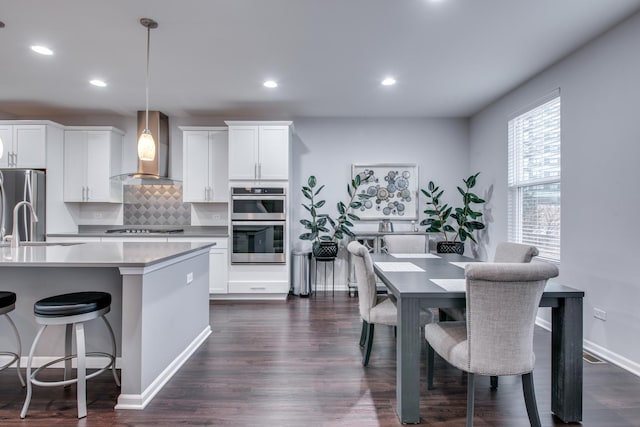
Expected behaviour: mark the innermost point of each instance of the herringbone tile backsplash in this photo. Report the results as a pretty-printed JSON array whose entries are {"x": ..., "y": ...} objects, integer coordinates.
[{"x": 155, "y": 205}]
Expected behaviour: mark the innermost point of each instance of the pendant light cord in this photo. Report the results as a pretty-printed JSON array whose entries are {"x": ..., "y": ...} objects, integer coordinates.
[{"x": 147, "y": 94}]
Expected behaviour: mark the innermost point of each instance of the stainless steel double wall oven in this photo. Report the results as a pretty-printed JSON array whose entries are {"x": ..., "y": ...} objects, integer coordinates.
[{"x": 258, "y": 225}]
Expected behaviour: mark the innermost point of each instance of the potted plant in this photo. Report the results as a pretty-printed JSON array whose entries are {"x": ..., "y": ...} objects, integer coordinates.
[
  {"x": 323, "y": 230},
  {"x": 464, "y": 218}
]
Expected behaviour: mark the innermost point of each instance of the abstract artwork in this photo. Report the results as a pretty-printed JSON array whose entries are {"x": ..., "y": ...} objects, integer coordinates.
[{"x": 393, "y": 189}]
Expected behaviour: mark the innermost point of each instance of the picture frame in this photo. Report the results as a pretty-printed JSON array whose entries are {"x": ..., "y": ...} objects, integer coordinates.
[{"x": 394, "y": 191}]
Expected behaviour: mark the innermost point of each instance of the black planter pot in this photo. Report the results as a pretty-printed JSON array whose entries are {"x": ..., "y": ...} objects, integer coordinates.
[
  {"x": 325, "y": 251},
  {"x": 450, "y": 248}
]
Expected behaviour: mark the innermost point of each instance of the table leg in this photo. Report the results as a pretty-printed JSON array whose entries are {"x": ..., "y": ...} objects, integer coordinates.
[
  {"x": 566, "y": 360},
  {"x": 409, "y": 342}
]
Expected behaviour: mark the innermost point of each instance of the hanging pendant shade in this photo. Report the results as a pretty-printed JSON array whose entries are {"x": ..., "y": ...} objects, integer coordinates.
[{"x": 146, "y": 144}]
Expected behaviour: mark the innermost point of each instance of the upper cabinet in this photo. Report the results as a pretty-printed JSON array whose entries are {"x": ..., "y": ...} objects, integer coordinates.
[
  {"x": 91, "y": 156},
  {"x": 205, "y": 169},
  {"x": 259, "y": 150},
  {"x": 24, "y": 144}
]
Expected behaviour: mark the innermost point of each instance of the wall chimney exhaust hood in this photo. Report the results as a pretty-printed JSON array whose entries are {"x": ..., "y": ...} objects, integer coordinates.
[{"x": 152, "y": 171}]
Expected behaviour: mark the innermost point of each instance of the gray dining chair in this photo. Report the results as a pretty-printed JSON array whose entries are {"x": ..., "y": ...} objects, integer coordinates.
[
  {"x": 497, "y": 337},
  {"x": 405, "y": 243},
  {"x": 505, "y": 252},
  {"x": 374, "y": 309}
]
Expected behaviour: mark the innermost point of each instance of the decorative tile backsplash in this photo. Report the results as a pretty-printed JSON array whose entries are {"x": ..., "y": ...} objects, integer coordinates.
[{"x": 155, "y": 205}]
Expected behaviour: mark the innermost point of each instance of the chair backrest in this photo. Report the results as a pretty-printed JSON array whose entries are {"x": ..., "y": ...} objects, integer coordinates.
[
  {"x": 514, "y": 252},
  {"x": 502, "y": 303},
  {"x": 365, "y": 277},
  {"x": 405, "y": 243}
]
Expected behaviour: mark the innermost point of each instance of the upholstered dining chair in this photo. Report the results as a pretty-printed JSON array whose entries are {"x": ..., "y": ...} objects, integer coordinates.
[
  {"x": 505, "y": 252},
  {"x": 374, "y": 309},
  {"x": 405, "y": 243},
  {"x": 497, "y": 337}
]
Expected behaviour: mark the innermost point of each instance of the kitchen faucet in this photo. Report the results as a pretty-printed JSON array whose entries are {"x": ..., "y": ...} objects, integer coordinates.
[{"x": 15, "y": 237}]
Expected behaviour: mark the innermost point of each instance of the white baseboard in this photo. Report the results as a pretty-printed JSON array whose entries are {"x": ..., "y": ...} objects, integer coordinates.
[
  {"x": 140, "y": 401},
  {"x": 601, "y": 352},
  {"x": 248, "y": 297}
]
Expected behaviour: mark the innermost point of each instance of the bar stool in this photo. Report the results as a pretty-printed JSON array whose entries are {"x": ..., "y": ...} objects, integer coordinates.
[
  {"x": 8, "y": 304},
  {"x": 71, "y": 310}
]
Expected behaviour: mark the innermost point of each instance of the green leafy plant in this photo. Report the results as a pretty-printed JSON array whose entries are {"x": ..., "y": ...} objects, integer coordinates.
[
  {"x": 464, "y": 218},
  {"x": 322, "y": 227}
]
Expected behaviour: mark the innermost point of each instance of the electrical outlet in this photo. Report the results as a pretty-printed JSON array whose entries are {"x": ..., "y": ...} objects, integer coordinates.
[
  {"x": 600, "y": 314},
  {"x": 189, "y": 278}
]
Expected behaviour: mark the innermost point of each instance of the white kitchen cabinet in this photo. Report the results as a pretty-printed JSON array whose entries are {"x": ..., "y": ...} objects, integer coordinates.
[
  {"x": 259, "y": 150},
  {"x": 218, "y": 261},
  {"x": 205, "y": 168},
  {"x": 91, "y": 156},
  {"x": 25, "y": 143}
]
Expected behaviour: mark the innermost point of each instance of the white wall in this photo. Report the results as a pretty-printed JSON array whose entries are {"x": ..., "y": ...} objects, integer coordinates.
[
  {"x": 328, "y": 147},
  {"x": 600, "y": 95}
]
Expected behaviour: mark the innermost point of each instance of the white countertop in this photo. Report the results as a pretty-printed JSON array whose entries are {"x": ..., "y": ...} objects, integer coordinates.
[{"x": 98, "y": 254}]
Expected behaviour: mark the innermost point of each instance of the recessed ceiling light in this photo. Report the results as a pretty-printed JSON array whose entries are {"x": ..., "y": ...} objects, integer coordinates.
[
  {"x": 42, "y": 50},
  {"x": 98, "y": 82},
  {"x": 388, "y": 81},
  {"x": 270, "y": 84}
]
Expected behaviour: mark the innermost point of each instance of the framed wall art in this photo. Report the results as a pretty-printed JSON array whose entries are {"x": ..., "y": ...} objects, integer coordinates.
[{"x": 393, "y": 189}]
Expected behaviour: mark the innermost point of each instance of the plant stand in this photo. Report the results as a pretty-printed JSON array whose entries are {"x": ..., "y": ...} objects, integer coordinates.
[{"x": 325, "y": 261}]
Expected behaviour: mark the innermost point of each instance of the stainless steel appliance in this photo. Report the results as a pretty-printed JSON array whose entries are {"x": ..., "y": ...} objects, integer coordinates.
[
  {"x": 17, "y": 185},
  {"x": 258, "y": 225}
]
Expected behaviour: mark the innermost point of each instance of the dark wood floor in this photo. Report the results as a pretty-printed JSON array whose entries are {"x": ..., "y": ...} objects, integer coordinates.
[{"x": 298, "y": 364}]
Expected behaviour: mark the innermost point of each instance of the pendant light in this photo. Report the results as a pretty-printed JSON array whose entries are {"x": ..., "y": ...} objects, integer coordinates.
[{"x": 146, "y": 144}]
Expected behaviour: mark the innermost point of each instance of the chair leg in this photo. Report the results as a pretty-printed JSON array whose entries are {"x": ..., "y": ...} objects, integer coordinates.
[
  {"x": 113, "y": 351},
  {"x": 430, "y": 361},
  {"x": 494, "y": 382},
  {"x": 27, "y": 399},
  {"x": 19, "y": 351},
  {"x": 530, "y": 399},
  {"x": 470, "y": 398},
  {"x": 68, "y": 338},
  {"x": 369, "y": 343},
  {"x": 81, "y": 386},
  {"x": 363, "y": 333}
]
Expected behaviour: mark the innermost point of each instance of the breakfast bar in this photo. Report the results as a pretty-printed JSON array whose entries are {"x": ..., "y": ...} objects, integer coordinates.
[{"x": 159, "y": 310}]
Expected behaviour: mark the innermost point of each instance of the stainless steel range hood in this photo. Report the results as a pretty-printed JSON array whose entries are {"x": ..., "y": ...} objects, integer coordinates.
[{"x": 154, "y": 171}]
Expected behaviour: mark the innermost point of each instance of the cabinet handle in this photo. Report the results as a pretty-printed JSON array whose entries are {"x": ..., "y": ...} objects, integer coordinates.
[
  {"x": 83, "y": 196},
  {"x": 87, "y": 199},
  {"x": 259, "y": 170},
  {"x": 13, "y": 160},
  {"x": 258, "y": 289},
  {"x": 210, "y": 194}
]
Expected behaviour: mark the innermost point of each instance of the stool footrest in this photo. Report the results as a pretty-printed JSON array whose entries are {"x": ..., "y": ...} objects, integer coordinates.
[
  {"x": 34, "y": 380},
  {"x": 14, "y": 357}
]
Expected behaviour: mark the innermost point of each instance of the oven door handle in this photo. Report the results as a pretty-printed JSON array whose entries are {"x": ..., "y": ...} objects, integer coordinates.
[
  {"x": 237, "y": 222},
  {"x": 256, "y": 197}
]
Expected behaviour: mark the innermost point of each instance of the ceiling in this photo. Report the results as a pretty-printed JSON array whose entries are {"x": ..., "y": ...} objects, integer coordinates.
[{"x": 210, "y": 57}]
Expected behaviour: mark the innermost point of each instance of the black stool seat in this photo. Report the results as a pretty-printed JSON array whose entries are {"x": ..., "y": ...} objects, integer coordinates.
[
  {"x": 72, "y": 304},
  {"x": 7, "y": 299}
]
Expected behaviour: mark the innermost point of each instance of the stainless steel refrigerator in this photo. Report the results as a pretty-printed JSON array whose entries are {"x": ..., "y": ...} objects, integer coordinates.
[{"x": 17, "y": 185}]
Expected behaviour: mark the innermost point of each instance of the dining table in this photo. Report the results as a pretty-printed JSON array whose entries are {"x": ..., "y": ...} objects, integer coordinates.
[{"x": 431, "y": 281}]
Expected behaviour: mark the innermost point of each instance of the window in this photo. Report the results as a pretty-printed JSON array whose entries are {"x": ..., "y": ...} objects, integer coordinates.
[{"x": 534, "y": 177}]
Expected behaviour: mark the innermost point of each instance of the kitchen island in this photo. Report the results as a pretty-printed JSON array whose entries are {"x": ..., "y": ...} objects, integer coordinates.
[{"x": 159, "y": 311}]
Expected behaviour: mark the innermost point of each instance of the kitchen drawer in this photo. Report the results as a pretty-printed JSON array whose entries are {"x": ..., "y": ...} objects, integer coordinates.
[{"x": 258, "y": 288}]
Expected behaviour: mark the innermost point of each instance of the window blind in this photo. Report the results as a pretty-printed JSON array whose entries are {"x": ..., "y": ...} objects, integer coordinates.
[{"x": 534, "y": 177}]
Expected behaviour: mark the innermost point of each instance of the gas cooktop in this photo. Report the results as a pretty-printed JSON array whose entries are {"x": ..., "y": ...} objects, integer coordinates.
[{"x": 146, "y": 230}]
